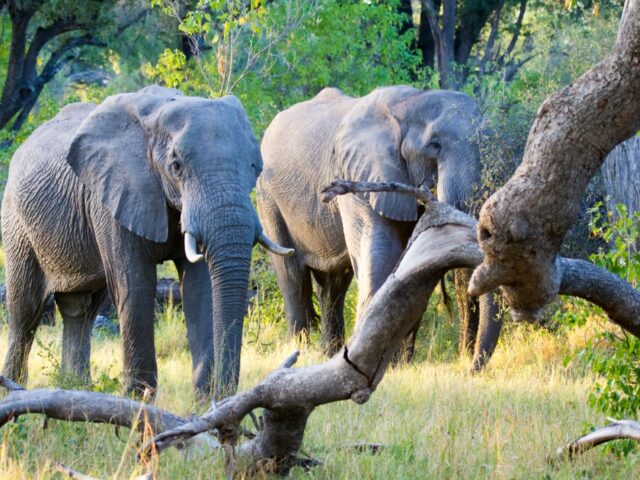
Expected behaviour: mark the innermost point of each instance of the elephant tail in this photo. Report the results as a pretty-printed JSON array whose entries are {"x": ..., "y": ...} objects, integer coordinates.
[{"x": 446, "y": 299}]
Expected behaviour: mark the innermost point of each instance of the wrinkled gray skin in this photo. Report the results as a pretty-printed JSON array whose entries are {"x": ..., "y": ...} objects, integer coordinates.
[
  {"x": 100, "y": 194},
  {"x": 393, "y": 134}
]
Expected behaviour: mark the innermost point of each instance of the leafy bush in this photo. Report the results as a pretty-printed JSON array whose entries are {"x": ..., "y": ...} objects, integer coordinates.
[{"x": 613, "y": 355}]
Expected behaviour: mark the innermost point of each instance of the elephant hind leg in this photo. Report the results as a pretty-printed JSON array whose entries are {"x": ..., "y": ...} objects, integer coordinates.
[
  {"x": 78, "y": 312},
  {"x": 332, "y": 290},
  {"x": 297, "y": 290},
  {"x": 26, "y": 297},
  {"x": 294, "y": 277}
]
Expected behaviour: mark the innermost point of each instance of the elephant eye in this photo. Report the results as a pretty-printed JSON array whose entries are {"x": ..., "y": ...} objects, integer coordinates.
[
  {"x": 176, "y": 167},
  {"x": 434, "y": 146}
]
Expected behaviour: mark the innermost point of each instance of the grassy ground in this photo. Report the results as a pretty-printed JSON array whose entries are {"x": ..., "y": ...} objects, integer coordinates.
[{"x": 437, "y": 420}]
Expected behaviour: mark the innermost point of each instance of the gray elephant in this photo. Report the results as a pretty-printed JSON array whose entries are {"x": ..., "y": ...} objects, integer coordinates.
[
  {"x": 99, "y": 195},
  {"x": 401, "y": 134}
]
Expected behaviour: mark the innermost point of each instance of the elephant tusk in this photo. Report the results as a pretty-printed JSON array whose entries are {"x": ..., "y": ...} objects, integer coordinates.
[
  {"x": 274, "y": 247},
  {"x": 191, "y": 248}
]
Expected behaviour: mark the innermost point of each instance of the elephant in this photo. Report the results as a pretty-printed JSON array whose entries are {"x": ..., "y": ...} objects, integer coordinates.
[
  {"x": 100, "y": 194},
  {"x": 393, "y": 134}
]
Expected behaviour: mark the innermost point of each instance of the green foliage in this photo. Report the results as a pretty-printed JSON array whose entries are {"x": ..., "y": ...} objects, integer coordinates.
[
  {"x": 613, "y": 355},
  {"x": 278, "y": 54}
]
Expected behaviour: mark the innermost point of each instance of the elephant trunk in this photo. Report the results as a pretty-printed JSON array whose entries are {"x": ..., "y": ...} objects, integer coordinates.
[
  {"x": 459, "y": 178},
  {"x": 224, "y": 234}
]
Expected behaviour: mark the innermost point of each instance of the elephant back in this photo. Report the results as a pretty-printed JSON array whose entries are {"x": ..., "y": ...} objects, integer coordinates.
[
  {"x": 51, "y": 140},
  {"x": 302, "y": 136}
]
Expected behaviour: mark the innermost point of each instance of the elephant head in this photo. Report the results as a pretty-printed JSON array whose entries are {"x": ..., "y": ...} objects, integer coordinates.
[
  {"x": 144, "y": 153},
  {"x": 401, "y": 134}
]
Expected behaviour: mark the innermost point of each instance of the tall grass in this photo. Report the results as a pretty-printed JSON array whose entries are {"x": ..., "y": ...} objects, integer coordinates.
[{"x": 436, "y": 420}]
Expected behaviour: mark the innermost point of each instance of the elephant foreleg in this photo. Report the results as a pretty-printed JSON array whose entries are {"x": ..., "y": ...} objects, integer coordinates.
[
  {"x": 195, "y": 284},
  {"x": 131, "y": 279},
  {"x": 294, "y": 277},
  {"x": 468, "y": 312}
]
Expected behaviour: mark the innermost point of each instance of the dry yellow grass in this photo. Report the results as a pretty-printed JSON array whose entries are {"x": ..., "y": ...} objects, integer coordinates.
[{"x": 437, "y": 420}]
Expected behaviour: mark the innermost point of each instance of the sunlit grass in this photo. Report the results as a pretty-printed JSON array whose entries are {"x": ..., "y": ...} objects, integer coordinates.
[{"x": 437, "y": 420}]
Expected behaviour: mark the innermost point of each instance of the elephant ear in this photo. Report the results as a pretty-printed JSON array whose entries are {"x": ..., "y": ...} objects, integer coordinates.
[
  {"x": 368, "y": 149},
  {"x": 109, "y": 154}
]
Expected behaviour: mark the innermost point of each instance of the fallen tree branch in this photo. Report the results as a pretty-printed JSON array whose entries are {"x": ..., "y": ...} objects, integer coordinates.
[
  {"x": 10, "y": 384},
  {"x": 618, "y": 430},
  {"x": 81, "y": 406},
  {"x": 290, "y": 395},
  {"x": 341, "y": 187},
  {"x": 71, "y": 473}
]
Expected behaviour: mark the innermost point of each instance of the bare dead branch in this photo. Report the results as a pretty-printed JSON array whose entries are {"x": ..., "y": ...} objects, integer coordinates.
[
  {"x": 71, "y": 473},
  {"x": 290, "y": 395},
  {"x": 291, "y": 360},
  {"x": 341, "y": 187},
  {"x": 10, "y": 384},
  {"x": 79, "y": 406},
  {"x": 620, "y": 429}
]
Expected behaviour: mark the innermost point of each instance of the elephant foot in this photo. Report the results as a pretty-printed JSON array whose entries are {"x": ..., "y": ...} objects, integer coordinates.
[
  {"x": 330, "y": 348},
  {"x": 141, "y": 389}
]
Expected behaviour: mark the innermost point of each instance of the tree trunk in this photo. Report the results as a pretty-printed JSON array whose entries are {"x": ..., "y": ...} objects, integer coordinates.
[
  {"x": 425, "y": 39},
  {"x": 522, "y": 225},
  {"x": 12, "y": 93},
  {"x": 443, "y": 39},
  {"x": 621, "y": 175}
]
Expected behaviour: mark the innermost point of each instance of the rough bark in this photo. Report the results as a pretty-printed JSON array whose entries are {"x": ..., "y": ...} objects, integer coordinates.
[
  {"x": 621, "y": 175},
  {"x": 523, "y": 224}
]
